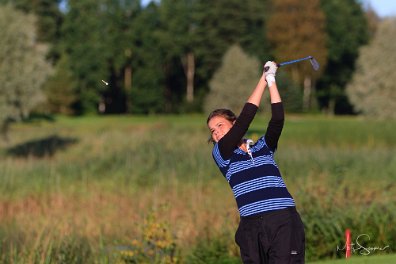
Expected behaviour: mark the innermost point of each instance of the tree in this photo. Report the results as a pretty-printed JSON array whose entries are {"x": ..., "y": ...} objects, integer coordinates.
[
  {"x": 83, "y": 38},
  {"x": 373, "y": 87},
  {"x": 373, "y": 21},
  {"x": 23, "y": 68},
  {"x": 60, "y": 89},
  {"x": 177, "y": 37},
  {"x": 49, "y": 21},
  {"x": 148, "y": 92},
  {"x": 254, "y": 39},
  {"x": 118, "y": 23},
  {"x": 200, "y": 36},
  {"x": 347, "y": 30},
  {"x": 114, "y": 41},
  {"x": 296, "y": 29},
  {"x": 97, "y": 39},
  {"x": 231, "y": 84}
]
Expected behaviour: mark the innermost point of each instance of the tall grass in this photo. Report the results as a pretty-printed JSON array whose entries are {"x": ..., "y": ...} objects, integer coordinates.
[{"x": 98, "y": 190}]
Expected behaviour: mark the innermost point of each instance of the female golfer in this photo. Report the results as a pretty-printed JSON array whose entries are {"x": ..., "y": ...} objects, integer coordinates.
[{"x": 270, "y": 228}]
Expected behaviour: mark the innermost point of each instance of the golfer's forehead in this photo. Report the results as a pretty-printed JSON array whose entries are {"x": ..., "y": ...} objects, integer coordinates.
[{"x": 216, "y": 120}]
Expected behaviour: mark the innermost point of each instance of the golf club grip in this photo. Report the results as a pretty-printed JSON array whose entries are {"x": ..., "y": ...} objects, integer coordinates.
[{"x": 267, "y": 68}]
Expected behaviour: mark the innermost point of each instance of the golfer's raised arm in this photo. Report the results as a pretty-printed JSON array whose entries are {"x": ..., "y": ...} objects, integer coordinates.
[
  {"x": 274, "y": 94},
  {"x": 255, "y": 97},
  {"x": 275, "y": 125},
  {"x": 231, "y": 140},
  {"x": 234, "y": 136}
]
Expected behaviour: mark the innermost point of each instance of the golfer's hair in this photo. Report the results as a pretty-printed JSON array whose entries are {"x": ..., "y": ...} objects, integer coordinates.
[{"x": 226, "y": 113}]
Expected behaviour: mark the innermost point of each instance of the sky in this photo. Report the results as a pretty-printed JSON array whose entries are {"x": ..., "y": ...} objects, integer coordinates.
[{"x": 383, "y": 8}]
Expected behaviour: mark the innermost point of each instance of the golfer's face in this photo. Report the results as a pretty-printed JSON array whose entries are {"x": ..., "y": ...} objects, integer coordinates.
[{"x": 219, "y": 126}]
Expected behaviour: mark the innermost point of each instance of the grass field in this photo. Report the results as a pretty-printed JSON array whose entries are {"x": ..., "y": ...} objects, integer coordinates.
[
  {"x": 146, "y": 190},
  {"x": 383, "y": 259}
]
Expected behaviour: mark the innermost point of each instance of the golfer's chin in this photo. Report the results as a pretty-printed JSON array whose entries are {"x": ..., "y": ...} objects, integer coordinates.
[{"x": 218, "y": 139}]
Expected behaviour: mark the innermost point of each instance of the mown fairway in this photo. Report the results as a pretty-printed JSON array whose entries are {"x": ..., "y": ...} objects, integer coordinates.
[{"x": 145, "y": 189}]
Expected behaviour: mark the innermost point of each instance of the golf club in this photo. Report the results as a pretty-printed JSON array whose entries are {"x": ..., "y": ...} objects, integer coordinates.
[{"x": 314, "y": 63}]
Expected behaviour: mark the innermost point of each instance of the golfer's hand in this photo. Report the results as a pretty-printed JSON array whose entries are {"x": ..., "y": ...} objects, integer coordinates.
[{"x": 270, "y": 68}]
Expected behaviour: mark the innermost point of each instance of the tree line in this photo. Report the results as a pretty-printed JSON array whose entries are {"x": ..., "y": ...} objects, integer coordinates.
[{"x": 161, "y": 57}]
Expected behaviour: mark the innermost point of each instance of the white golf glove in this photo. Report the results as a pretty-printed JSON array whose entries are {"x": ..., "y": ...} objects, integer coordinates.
[{"x": 270, "y": 68}]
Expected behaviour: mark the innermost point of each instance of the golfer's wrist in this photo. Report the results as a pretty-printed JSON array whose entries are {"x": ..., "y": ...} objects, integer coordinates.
[{"x": 270, "y": 79}]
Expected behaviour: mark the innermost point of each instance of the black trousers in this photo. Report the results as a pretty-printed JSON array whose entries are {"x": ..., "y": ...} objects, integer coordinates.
[{"x": 272, "y": 238}]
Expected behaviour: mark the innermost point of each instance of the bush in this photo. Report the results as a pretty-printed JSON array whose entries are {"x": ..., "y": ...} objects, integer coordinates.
[
  {"x": 213, "y": 251},
  {"x": 325, "y": 229},
  {"x": 156, "y": 246}
]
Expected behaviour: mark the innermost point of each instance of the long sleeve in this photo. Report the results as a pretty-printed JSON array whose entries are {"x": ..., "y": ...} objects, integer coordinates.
[
  {"x": 275, "y": 125},
  {"x": 230, "y": 141}
]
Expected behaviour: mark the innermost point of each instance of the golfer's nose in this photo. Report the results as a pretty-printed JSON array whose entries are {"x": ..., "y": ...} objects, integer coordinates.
[{"x": 216, "y": 133}]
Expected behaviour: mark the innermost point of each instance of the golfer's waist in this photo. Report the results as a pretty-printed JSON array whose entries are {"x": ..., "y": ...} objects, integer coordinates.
[{"x": 271, "y": 213}]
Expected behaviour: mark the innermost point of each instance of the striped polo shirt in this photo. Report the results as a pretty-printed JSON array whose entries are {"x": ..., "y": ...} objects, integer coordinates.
[{"x": 254, "y": 179}]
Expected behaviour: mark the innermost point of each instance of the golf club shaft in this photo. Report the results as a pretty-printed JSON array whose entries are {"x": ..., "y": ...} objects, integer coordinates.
[
  {"x": 293, "y": 61},
  {"x": 312, "y": 60}
]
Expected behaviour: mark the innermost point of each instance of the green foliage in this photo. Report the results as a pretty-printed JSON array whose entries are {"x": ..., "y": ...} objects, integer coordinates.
[
  {"x": 225, "y": 23},
  {"x": 254, "y": 40},
  {"x": 195, "y": 35},
  {"x": 215, "y": 250},
  {"x": 148, "y": 93},
  {"x": 59, "y": 90},
  {"x": 233, "y": 82},
  {"x": 370, "y": 226},
  {"x": 49, "y": 20},
  {"x": 373, "y": 87},
  {"x": 373, "y": 259},
  {"x": 176, "y": 31},
  {"x": 23, "y": 68},
  {"x": 160, "y": 58},
  {"x": 84, "y": 37},
  {"x": 347, "y": 30},
  {"x": 208, "y": 34},
  {"x": 290, "y": 92},
  {"x": 46, "y": 248},
  {"x": 177, "y": 36},
  {"x": 296, "y": 29},
  {"x": 70, "y": 250},
  {"x": 114, "y": 41},
  {"x": 157, "y": 246}
]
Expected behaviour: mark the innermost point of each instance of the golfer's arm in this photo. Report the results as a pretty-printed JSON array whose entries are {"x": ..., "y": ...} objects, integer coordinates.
[
  {"x": 275, "y": 125},
  {"x": 230, "y": 141},
  {"x": 255, "y": 97},
  {"x": 274, "y": 94}
]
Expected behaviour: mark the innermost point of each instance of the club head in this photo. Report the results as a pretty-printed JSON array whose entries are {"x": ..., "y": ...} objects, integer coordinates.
[{"x": 314, "y": 63}]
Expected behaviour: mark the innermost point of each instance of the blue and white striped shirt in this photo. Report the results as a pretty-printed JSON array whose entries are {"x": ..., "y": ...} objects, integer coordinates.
[
  {"x": 256, "y": 183},
  {"x": 255, "y": 180}
]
